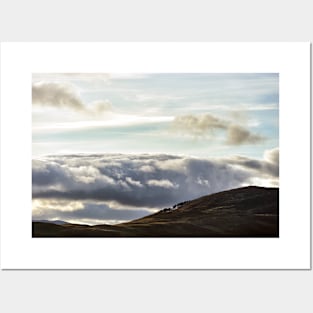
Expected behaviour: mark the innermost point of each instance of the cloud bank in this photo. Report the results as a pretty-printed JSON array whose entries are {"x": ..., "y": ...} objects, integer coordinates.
[
  {"x": 125, "y": 179},
  {"x": 88, "y": 211},
  {"x": 267, "y": 168},
  {"x": 124, "y": 186}
]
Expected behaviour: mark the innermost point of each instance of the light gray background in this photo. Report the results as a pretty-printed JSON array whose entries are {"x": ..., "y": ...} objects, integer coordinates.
[{"x": 156, "y": 291}]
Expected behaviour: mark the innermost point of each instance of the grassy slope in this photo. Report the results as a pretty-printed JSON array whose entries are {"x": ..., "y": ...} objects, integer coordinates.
[{"x": 244, "y": 212}]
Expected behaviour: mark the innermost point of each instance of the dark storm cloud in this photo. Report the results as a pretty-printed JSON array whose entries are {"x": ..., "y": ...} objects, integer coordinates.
[
  {"x": 142, "y": 180},
  {"x": 207, "y": 124}
]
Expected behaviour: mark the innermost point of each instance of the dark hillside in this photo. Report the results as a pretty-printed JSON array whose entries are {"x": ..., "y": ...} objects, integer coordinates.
[{"x": 243, "y": 212}]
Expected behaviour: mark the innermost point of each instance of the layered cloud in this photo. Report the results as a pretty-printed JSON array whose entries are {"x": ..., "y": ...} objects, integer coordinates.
[
  {"x": 267, "y": 169},
  {"x": 206, "y": 124},
  {"x": 120, "y": 178},
  {"x": 147, "y": 181},
  {"x": 84, "y": 212}
]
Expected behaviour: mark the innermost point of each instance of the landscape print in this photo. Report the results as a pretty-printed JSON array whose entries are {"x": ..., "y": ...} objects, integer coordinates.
[{"x": 155, "y": 155}]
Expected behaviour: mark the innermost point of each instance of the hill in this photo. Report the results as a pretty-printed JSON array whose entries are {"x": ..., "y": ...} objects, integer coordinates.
[
  {"x": 243, "y": 212},
  {"x": 57, "y": 222}
]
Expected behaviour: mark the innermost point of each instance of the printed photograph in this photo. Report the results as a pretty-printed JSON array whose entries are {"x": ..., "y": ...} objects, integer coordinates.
[{"x": 155, "y": 155}]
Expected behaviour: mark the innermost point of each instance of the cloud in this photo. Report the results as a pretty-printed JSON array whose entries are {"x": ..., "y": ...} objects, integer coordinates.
[
  {"x": 237, "y": 135},
  {"x": 272, "y": 156},
  {"x": 101, "y": 106},
  {"x": 63, "y": 95},
  {"x": 93, "y": 212},
  {"x": 267, "y": 168},
  {"x": 197, "y": 125},
  {"x": 56, "y": 95},
  {"x": 146, "y": 181},
  {"x": 205, "y": 124},
  {"x": 164, "y": 183}
]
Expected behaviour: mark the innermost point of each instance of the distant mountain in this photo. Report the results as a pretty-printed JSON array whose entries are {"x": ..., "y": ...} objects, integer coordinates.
[
  {"x": 57, "y": 222},
  {"x": 243, "y": 212}
]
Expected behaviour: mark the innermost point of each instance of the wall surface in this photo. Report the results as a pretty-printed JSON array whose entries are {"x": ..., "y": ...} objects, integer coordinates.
[{"x": 156, "y": 291}]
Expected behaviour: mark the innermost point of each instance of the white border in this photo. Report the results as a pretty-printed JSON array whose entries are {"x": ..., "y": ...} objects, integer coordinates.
[{"x": 290, "y": 251}]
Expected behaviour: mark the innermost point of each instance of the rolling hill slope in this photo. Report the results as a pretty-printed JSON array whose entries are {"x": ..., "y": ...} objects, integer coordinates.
[{"x": 243, "y": 212}]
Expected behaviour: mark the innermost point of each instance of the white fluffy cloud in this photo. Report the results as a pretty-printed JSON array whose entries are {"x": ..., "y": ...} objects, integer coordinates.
[{"x": 272, "y": 156}]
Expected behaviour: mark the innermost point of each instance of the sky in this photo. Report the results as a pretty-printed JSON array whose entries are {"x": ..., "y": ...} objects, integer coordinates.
[{"x": 114, "y": 147}]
